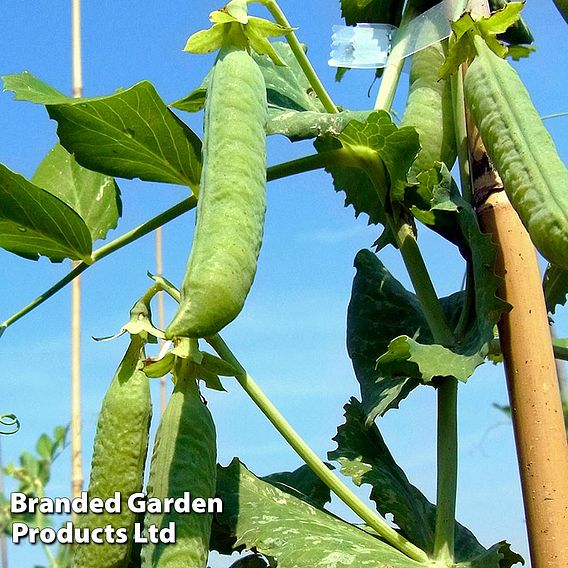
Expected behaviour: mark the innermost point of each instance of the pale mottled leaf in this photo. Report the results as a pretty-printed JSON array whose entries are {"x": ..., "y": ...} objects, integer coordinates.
[
  {"x": 94, "y": 196},
  {"x": 304, "y": 484},
  {"x": 293, "y": 532}
]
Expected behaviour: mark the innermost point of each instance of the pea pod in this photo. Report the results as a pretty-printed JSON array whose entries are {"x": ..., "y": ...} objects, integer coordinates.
[
  {"x": 232, "y": 200},
  {"x": 184, "y": 459},
  {"x": 522, "y": 151},
  {"x": 119, "y": 456},
  {"x": 429, "y": 109}
]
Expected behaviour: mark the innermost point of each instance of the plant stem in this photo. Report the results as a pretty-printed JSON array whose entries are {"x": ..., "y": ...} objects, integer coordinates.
[
  {"x": 447, "y": 460},
  {"x": 310, "y": 457},
  {"x": 300, "y": 55},
  {"x": 394, "y": 65},
  {"x": 389, "y": 83},
  {"x": 341, "y": 156},
  {"x": 300, "y": 165},
  {"x": 113, "y": 246},
  {"x": 414, "y": 262},
  {"x": 447, "y": 391},
  {"x": 559, "y": 349}
]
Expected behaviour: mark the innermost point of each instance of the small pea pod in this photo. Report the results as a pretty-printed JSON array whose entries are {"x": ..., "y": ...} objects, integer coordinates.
[
  {"x": 522, "y": 151},
  {"x": 232, "y": 199},
  {"x": 184, "y": 459},
  {"x": 119, "y": 456},
  {"x": 429, "y": 109}
]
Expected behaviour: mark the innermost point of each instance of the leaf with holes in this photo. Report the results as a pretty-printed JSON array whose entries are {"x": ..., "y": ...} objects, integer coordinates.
[{"x": 364, "y": 456}]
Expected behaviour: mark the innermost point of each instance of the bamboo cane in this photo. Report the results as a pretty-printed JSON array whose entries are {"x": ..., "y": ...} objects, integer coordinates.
[{"x": 530, "y": 367}]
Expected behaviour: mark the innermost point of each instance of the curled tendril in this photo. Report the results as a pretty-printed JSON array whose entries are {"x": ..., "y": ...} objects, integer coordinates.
[{"x": 10, "y": 422}]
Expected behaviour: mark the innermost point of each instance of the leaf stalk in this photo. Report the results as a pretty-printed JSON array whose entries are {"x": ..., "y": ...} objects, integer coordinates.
[
  {"x": 300, "y": 55},
  {"x": 311, "y": 458}
]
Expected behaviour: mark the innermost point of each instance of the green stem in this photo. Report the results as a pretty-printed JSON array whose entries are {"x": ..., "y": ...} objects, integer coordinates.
[
  {"x": 394, "y": 65},
  {"x": 300, "y": 165},
  {"x": 413, "y": 260},
  {"x": 462, "y": 146},
  {"x": 447, "y": 461},
  {"x": 461, "y": 133},
  {"x": 447, "y": 391},
  {"x": 389, "y": 83},
  {"x": 300, "y": 55},
  {"x": 340, "y": 156},
  {"x": 113, "y": 246},
  {"x": 313, "y": 461},
  {"x": 554, "y": 115},
  {"x": 560, "y": 350}
]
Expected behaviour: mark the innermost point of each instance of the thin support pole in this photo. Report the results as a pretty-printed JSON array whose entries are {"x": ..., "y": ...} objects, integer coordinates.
[{"x": 76, "y": 434}]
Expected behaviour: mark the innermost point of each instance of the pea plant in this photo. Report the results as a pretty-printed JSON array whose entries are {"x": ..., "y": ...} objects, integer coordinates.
[{"x": 467, "y": 112}]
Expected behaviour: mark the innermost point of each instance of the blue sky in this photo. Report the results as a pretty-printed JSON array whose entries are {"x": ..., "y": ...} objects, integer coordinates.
[{"x": 291, "y": 335}]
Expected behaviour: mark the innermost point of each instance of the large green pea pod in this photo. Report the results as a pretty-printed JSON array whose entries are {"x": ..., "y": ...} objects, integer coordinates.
[
  {"x": 522, "y": 151},
  {"x": 184, "y": 459},
  {"x": 429, "y": 109},
  {"x": 119, "y": 456},
  {"x": 232, "y": 199}
]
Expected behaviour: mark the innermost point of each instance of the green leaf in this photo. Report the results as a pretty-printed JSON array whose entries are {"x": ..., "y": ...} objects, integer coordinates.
[
  {"x": 501, "y": 20},
  {"x": 26, "y": 87},
  {"x": 206, "y": 41},
  {"x": 287, "y": 87},
  {"x": 44, "y": 447},
  {"x": 130, "y": 134},
  {"x": 355, "y": 183},
  {"x": 217, "y": 365},
  {"x": 193, "y": 102},
  {"x": 518, "y": 33},
  {"x": 364, "y": 456},
  {"x": 372, "y": 11},
  {"x": 266, "y": 28},
  {"x": 397, "y": 148},
  {"x": 555, "y": 286},
  {"x": 310, "y": 124},
  {"x": 95, "y": 197},
  {"x": 461, "y": 47},
  {"x": 377, "y": 297},
  {"x": 437, "y": 203},
  {"x": 302, "y": 483},
  {"x": 34, "y": 222},
  {"x": 293, "y": 532},
  {"x": 408, "y": 358}
]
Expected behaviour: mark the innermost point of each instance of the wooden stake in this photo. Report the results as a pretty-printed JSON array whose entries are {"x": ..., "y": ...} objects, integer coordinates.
[
  {"x": 530, "y": 367},
  {"x": 532, "y": 382}
]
